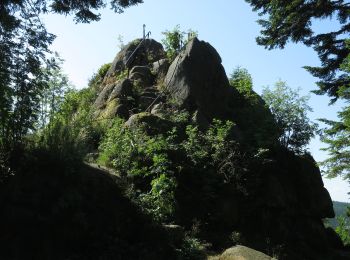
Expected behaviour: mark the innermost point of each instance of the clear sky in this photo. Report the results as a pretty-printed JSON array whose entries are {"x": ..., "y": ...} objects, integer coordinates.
[{"x": 230, "y": 26}]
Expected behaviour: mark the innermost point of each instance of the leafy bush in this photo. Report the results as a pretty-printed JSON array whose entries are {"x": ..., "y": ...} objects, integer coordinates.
[
  {"x": 175, "y": 39},
  {"x": 98, "y": 77},
  {"x": 192, "y": 249},
  {"x": 209, "y": 147},
  {"x": 290, "y": 112},
  {"x": 133, "y": 153},
  {"x": 251, "y": 112},
  {"x": 155, "y": 162},
  {"x": 242, "y": 81},
  {"x": 71, "y": 132},
  {"x": 343, "y": 229}
]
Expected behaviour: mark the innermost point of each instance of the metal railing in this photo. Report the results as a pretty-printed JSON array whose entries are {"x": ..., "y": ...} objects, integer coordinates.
[{"x": 133, "y": 54}]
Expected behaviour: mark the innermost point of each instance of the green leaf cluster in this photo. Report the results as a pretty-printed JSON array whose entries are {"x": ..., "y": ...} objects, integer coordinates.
[
  {"x": 283, "y": 22},
  {"x": 293, "y": 21},
  {"x": 159, "y": 160},
  {"x": 337, "y": 135},
  {"x": 251, "y": 112},
  {"x": 175, "y": 40},
  {"x": 343, "y": 229},
  {"x": 291, "y": 115}
]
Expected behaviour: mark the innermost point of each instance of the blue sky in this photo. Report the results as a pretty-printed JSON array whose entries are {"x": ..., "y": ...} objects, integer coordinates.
[{"x": 230, "y": 26}]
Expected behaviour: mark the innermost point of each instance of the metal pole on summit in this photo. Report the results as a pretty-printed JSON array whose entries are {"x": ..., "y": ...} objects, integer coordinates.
[{"x": 144, "y": 32}]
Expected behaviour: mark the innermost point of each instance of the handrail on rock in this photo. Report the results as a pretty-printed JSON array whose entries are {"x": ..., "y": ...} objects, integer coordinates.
[{"x": 128, "y": 61}]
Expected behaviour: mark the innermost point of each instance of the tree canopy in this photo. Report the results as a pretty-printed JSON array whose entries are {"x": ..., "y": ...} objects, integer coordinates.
[
  {"x": 290, "y": 112},
  {"x": 292, "y": 21},
  {"x": 337, "y": 136},
  {"x": 83, "y": 10},
  {"x": 24, "y": 50}
]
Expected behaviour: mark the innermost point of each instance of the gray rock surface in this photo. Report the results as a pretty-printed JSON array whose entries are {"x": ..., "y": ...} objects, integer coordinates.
[
  {"x": 241, "y": 253},
  {"x": 152, "y": 124},
  {"x": 160, "y": 68},
  {"x": 142, "y": 75},
  {"x": 102, "y": 98},
  {"x": 197, "y": 80},
  {"x": 121, "y": 111},
  {"x": 122, "y": 88},
  {"x": 150, "y": 52}
]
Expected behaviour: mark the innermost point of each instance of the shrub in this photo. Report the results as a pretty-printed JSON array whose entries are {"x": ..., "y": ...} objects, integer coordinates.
[
  {"x": 343, "y": 229},
  {"x": 175, "y": 39},
  {"x": 155, "y": 162}
]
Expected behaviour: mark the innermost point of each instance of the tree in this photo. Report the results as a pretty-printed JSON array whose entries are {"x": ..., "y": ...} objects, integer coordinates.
[
  {"x": 241, "y": 80},
  {"x": 57, "y": 85},
  {"x": 337, "y": 136},
  {"x": 175, "y": 39},
  {"x": 293, "y": 20},
  {"x": 24, "y": 44},
  {"x": 83, "y": 10},
  {"x": 290, "y": 112},
  {"x": 251, "y": 112}
]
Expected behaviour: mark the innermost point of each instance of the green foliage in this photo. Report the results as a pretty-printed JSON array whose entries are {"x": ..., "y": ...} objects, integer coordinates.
[
  {"x": 24, "y": 43},
  {"x": 192, "y": 248},
  {"x": 122, "y": 75},
  {"x": 24, "y": 46},
  {"x": 98, "y": 77},
  {"x": 343, "y": 229},
  {"x": 69, "y": 132},
  {"x": 57, "y": 85},
  {"x": 290, "y": 112},
  {"x": 337, "y": 136},
  {"x": 251, "y": 113},
  {"x": 210, "y": 147},
  {"x": 242, "y": 81},
  {"x": 160, "y": 201},
  {"x": 293, "y": 21},
  {"x": 340, "y": 210},
  {"x": 175, "y": 39},
  {"x": 151, "y": 158},
  {"x": 133, "y": 153}
]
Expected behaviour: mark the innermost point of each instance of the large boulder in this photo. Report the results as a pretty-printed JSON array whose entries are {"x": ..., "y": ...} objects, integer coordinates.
[
  {"x": 149, "y": 52},
  {"x": 294, "y": 183},
  {"x": 196, "y": 80},
  {"x": 103, "y": 96},
  {"x": 121, "y": 89},
  {"x": 141, "y": 76},
  {"x": 151, "y": 123},
  {"x": 112, "y": 101},
  {"x": 241, "y": 253},
  {"x": 160, "y": 68}
]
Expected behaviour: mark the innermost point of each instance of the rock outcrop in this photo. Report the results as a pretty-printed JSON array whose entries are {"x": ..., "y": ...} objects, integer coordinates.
[
  {"x": 241, "y": 253},
  {"x": 149, "y": 52},
  {"x": 196, "y": 80},
  {"x": 287, "y": 201}
]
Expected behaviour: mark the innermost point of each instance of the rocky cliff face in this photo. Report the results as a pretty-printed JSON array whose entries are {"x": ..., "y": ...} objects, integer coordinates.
[{"x": 287, "y": 200}]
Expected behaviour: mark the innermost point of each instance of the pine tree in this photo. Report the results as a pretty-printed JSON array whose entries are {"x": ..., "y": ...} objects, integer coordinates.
[
  {"x": 337, "y": 136},
  {"x": 286, "y": 21},
  {"x": 292, "y": 21}
]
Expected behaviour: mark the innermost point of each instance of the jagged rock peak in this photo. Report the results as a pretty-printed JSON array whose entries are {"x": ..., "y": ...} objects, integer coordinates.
[
  {"x": 147, "y": 52},
  {"x": 196, "y": 80}
]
